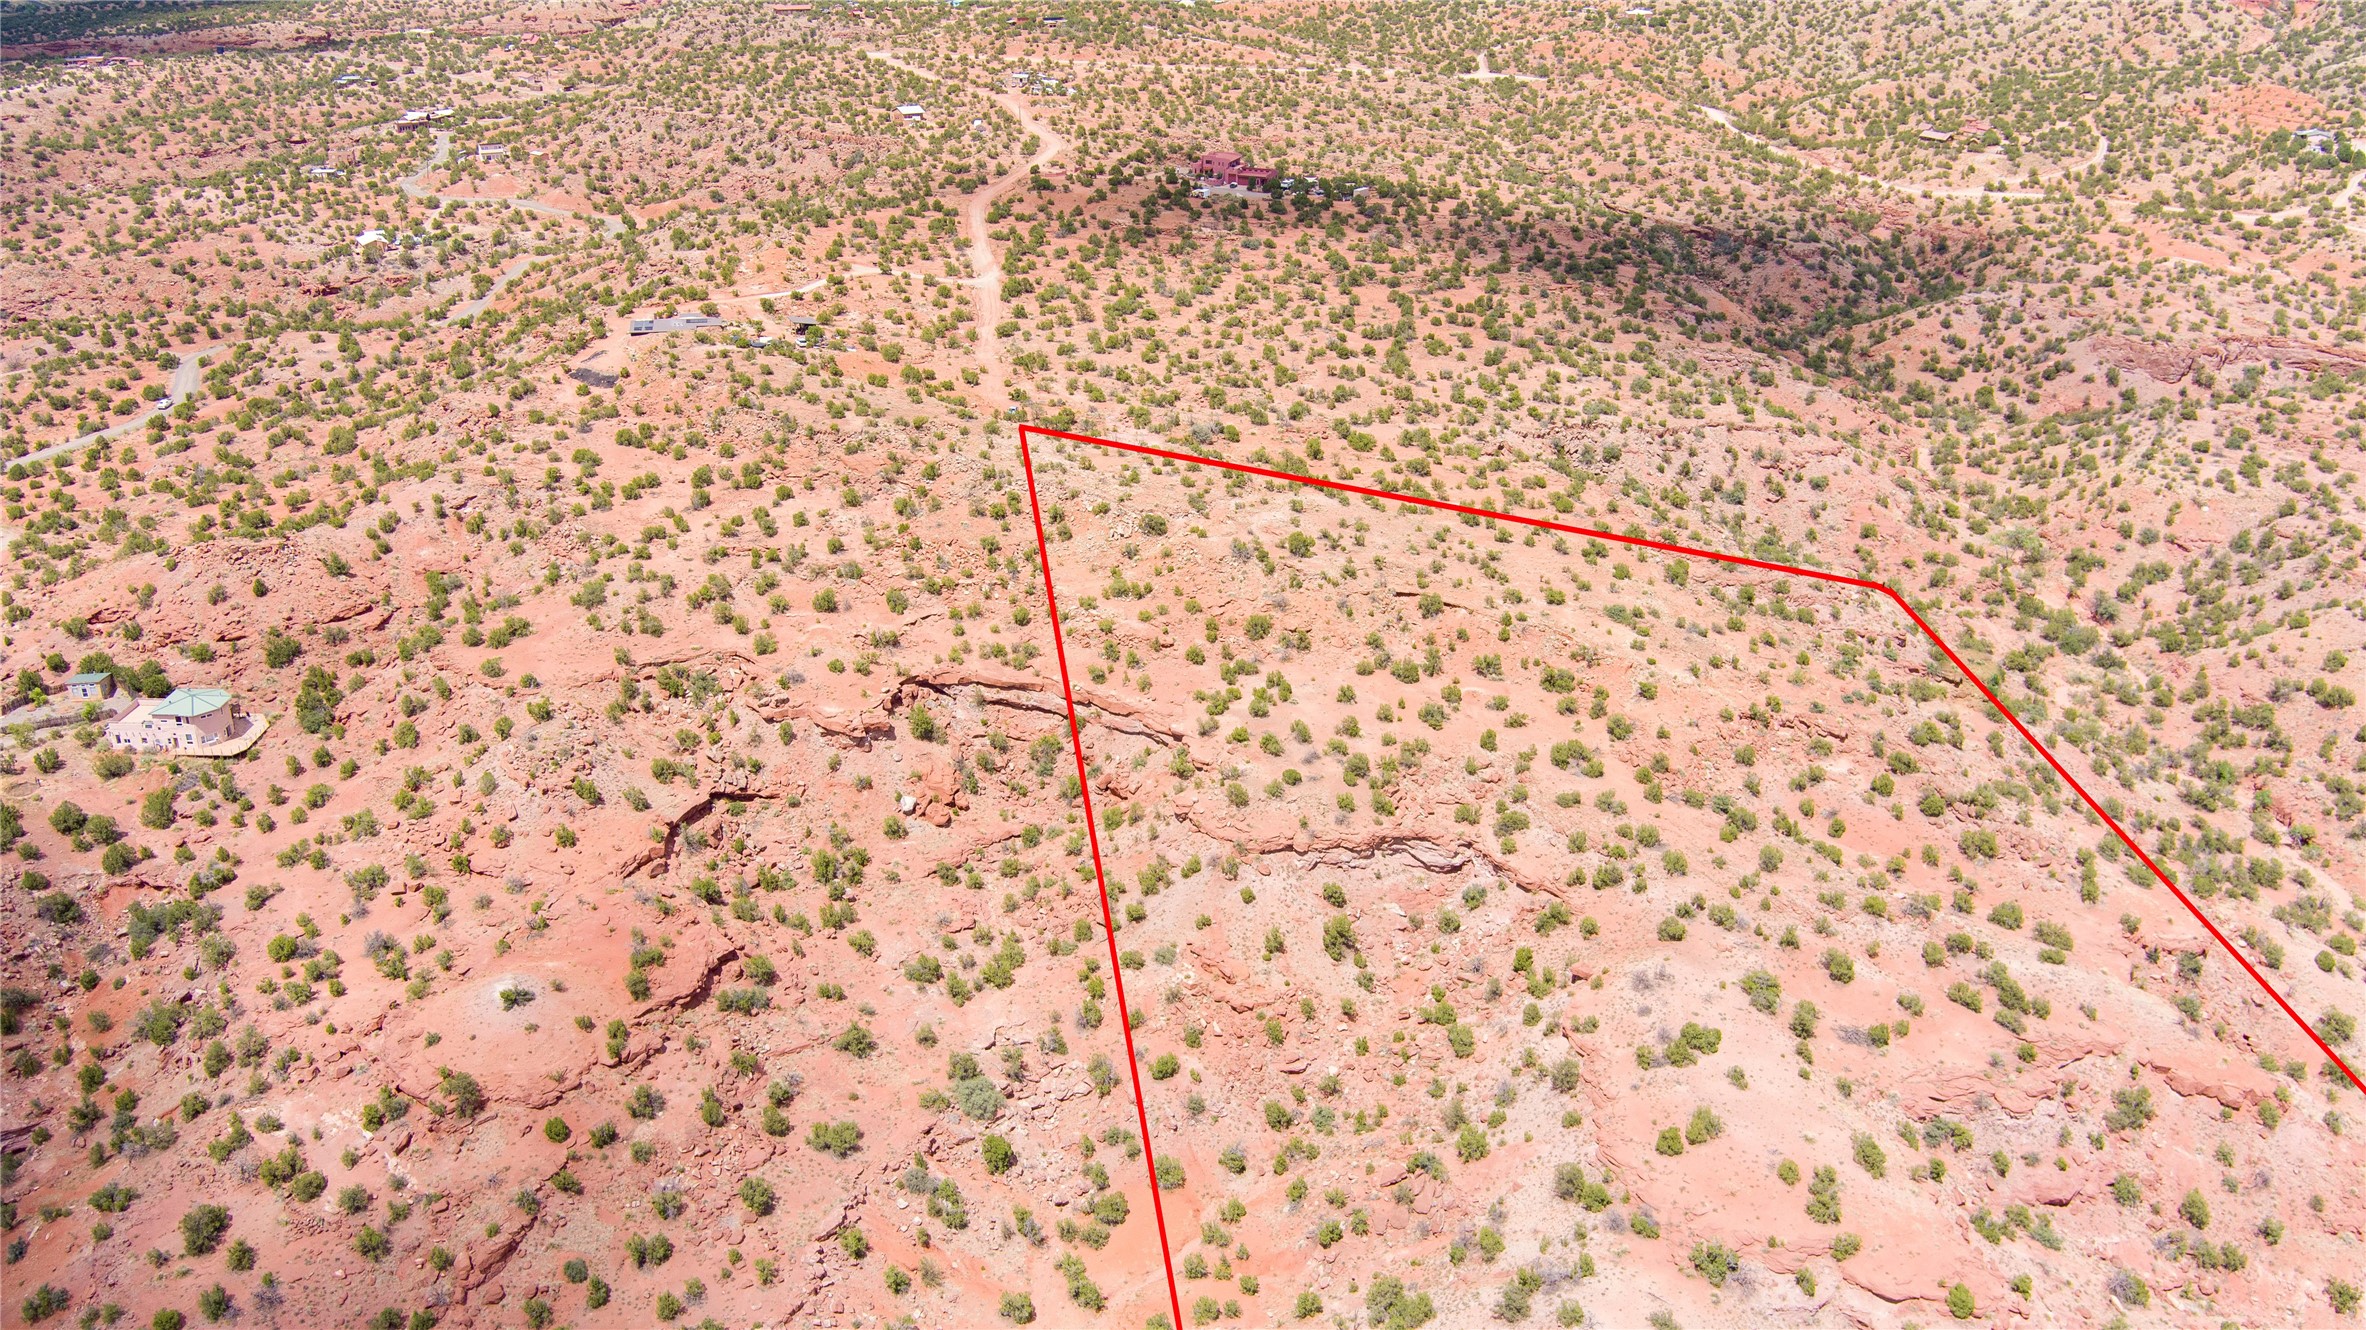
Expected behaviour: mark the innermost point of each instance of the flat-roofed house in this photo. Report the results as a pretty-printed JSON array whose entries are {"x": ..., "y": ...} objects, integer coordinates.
[
  {"x": 684, "y": 323},
  {"x": 1230, "y": 168}
]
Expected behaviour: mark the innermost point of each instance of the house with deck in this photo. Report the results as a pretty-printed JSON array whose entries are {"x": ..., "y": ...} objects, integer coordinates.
[{"x": 195, "y": 720}]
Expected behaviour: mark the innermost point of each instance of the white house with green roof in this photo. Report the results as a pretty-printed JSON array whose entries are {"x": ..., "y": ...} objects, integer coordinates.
[{"x": 190, "y": 720}]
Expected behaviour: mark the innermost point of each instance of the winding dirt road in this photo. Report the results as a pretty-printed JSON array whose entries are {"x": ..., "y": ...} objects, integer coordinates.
[
  {"x": 985, "y": 262},
  {"x": 184, "y": 386}
]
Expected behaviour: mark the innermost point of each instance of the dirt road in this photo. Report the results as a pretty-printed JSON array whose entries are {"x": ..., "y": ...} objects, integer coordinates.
[
  {"x": 985, "y": 262},
  {"x": 184, "y": 385}
]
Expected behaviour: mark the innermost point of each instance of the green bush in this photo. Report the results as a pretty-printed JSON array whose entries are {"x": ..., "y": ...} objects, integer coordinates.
[
  {"x": 2195, "y": 1208},
  {"x": 44, "y": 1302},
  {"x": 1870, "y": 1156},
  {"x": 466, "y": 1096},
  {"x": 1111, "y": 1208},
  {"x": 978, "y": 1097},
  {"x": 1714, "y": 1261},
  {"x": 202, "y": 1229},
  {"x": 2131, "y": 1108},
  {"x": 756, "y": 1194},
  {"x": 1703, "y": 1128},
  {"x": 838, "y": 1139},
  {"x": 1803, "y": 1020},
  {"x": 1406, "y": 1311}
]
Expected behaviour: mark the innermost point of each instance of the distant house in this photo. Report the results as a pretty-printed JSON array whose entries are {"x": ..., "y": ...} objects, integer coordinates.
[
  {"x": 2319, "y": 139},
  {"x": 912, "y": 112},
  {"x": 1937, "y": 135},
  {"x": 90, "y": 687},
  {"x": 191, "y": 718},
  {"x": 492, "y": 152},
  {"x": 1220, "y": 167},
  {"x": 686, "y": 323},
  {"x": 322, "y": 171}
]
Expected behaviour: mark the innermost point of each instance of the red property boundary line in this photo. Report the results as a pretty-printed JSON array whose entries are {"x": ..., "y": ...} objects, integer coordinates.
[
  {"x": 1813, "y": 574},
  {"x": 1084, "y": 785}
]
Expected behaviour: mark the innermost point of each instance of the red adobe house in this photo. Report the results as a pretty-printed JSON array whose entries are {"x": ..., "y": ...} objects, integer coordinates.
[{"x": 1230, "y": 168}]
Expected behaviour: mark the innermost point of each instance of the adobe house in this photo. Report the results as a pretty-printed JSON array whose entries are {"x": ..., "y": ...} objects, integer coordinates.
[
  {"x": 1230, "y": 168},
  {"x": 192, "y": 718}
]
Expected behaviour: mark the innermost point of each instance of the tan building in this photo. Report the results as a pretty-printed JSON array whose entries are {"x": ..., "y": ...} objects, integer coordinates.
[{"x": 95, "y": 686}]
